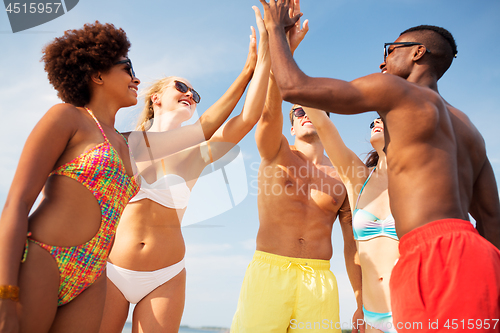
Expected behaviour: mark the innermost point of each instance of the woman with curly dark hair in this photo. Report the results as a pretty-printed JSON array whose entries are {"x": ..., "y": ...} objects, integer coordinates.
[
  {"x": 83, "y": 166},
  {"x": 60, "y": 286}
]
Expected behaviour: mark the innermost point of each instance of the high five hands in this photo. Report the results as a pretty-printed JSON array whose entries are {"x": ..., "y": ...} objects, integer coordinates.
[{"x": 277, "y": 14}]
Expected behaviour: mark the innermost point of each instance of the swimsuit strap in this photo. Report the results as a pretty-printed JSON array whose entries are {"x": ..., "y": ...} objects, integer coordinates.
[
  {"x": 362, "y": 188},
  {"x": 151, "y": 153},
  {"x": 99, "y": 125},
  {"x": 148, "y": 146},
  {"x": 97, "y": 122},
  {"x": 126, "y": 141}
]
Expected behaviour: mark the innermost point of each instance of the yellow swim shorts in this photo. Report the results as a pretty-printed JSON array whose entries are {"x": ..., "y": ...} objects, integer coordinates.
[{"x": 284, "y": 294}]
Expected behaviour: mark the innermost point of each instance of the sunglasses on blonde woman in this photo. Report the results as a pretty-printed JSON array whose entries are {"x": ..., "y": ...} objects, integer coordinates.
[{"x": 183, "y": 88}]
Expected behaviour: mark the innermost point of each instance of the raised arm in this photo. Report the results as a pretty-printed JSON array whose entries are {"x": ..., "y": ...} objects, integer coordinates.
[
  {"x": 362, "y": 95},
  {"x": 217, "y": 114},
  {"x": 349, "y": 166},
  {"x": 163, "y": 144},
  {"x": 268, "y": 135},
  {"x": 352, "y": 264},
  {"x": 236, "y": 128},
  {"x": 485, "y": 206}
]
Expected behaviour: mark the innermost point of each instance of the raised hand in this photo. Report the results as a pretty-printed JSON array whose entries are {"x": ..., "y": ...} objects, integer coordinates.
[
  {"x": 276, "y": 14},
  {"x": 252, "y": 52},
  {"x": 296, "y": 34},
  {"x": 260, "y": 22}
]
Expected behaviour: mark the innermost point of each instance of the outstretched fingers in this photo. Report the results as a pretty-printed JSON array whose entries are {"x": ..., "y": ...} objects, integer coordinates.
[
  {"x": 252, "y": 50},
  {"x": 264, "y": 3},
  {"x": 259, "y": 21},
  {"x": 296, "y": 34}
]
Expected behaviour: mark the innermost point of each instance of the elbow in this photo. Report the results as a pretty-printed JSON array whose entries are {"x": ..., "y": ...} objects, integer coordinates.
[
  {"x": 289, "y": 93},
  {"x": 292, "y": 91},
  {"x": 292, "y": 87}
]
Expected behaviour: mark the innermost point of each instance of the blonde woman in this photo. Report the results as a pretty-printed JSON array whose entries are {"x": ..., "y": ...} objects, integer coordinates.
[
  {"x": 146, "y": 264},
  {"x": 372, "y": 220}
]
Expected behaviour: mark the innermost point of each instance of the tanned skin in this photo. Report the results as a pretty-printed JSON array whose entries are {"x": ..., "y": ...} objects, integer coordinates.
[
  {"x": 437, "y": 163},
  {"x": 300, "y": 192}
]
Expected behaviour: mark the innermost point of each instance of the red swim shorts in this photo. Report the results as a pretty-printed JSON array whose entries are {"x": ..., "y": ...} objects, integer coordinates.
[{"x": 447, "y": 279}]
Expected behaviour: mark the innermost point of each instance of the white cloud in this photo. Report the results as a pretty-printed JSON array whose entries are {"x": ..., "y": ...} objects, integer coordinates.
[
  {"x": 206, "y": 248},
  {"x": 249, "y": 244}
]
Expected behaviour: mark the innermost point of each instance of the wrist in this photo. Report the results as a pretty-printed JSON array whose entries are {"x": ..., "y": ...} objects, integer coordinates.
[
  {"x": 9, "y": 292},
  {"x": 275, "y": 28},
  {"x": 248, "y": 70}
]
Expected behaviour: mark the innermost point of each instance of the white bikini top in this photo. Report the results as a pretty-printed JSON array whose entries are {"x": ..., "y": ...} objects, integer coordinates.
[{"x": 169, "y": 191}]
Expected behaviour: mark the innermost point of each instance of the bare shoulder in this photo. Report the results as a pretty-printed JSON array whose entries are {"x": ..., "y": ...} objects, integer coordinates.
[
  {"x": 60, "y": 119},
  {"x": 65, "y": 110},
  {"x": 64, "y": 115},
  {"x": 331, "y": 170},
  {"x": 465, "y": 130}
]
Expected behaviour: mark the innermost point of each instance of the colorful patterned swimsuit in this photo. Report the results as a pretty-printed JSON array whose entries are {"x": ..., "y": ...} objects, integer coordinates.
[{"x": 102, "y": 172}]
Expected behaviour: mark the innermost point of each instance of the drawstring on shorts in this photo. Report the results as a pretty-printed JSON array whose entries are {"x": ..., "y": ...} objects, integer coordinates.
[{"x": 302, "y": 267}]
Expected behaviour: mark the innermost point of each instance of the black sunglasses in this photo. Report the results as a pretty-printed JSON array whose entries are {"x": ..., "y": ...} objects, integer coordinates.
[
  {"x": 388, "y": 50},
  {"x": 129, "y": 63},
  {"x": 183, "y": 88},
  {"x": 372, "y": 125},
  {"x": 299, "y": 112}
]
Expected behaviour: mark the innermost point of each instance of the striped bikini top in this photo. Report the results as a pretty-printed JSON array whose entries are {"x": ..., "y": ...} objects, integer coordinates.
[
  {"x": 101, "y": 170},
  {"x": 366, "y": 226}
]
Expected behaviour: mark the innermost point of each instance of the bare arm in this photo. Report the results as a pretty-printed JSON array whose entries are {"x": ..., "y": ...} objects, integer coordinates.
[
  {"x": 236, "y": 128},
  {"x": 163, "y": 144},
  {"x": 485, "y": 206},
  {"x": 42, "y": 149},
  {"x": 217, "y": 114},
  {"x": 374, "y": 92},
  {"x": 345, "y": 161},
  {"x": 269, "y": 135},
  {"x": 352, "y": 264}
]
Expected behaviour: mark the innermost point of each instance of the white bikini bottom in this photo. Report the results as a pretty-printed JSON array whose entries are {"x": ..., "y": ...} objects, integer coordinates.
[{"x": 135, "y": 285}]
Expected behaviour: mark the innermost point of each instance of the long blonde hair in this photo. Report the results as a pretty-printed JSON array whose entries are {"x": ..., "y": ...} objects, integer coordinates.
[{"x": 144, "y": 121}]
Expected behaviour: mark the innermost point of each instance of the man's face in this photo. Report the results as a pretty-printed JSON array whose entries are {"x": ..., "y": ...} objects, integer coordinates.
[
  {"x": 398, "y": 60},
  {"x": 302, "y": 126}
]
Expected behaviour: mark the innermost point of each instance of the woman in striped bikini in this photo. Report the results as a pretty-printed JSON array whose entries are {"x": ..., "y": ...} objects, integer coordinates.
[{"x": 76, "y": 156}]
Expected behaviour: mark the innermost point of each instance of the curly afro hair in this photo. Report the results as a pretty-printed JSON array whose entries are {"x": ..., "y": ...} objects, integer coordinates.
[{"x": 70, "y": 60}]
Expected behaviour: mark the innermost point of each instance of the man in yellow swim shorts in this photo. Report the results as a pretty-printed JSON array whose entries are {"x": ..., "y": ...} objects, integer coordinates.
[{"x": 288, "y": 285}]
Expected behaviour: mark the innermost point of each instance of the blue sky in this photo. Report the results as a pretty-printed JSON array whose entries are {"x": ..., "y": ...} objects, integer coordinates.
[{"x": 207, "y": 42}]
